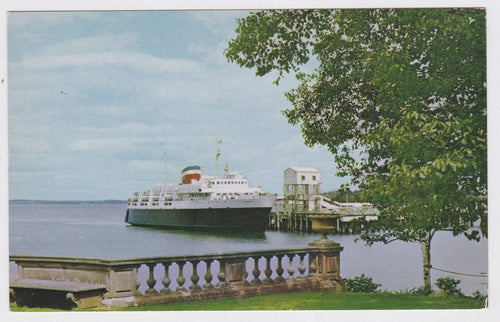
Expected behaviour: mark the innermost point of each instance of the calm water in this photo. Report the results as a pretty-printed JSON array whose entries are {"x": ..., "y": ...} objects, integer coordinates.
[{"x": 98, "y": 231}]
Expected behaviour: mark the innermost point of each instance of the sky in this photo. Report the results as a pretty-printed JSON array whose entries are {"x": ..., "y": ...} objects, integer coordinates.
[{"x": 103, "y": 104}]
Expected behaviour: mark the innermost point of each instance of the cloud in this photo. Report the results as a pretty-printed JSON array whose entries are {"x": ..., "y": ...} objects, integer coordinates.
[
  {"x": 113, "y": 110},
  {"x": 220, "y": 22},
  {"x": 132, "y": 60},
  {"x": 127, "y": 130},
  {"x": 29, "y": 144},
  {"x": 293, "y": 144},
  {"x": 28, "y": 138},
  {"x": 48, "y": 19},
  {"x": 103, "y": 144},
  {"x": 145, "y": 166},
  {"x": 149, "y": 141},
  {"x": 94, "y": 43}
]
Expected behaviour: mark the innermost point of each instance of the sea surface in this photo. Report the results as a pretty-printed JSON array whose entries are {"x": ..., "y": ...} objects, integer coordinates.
[{"x": 98, "y": 230}]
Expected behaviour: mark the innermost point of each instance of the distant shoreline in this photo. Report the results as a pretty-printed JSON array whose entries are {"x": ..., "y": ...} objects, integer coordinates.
[{"x": 27, "y": 201}]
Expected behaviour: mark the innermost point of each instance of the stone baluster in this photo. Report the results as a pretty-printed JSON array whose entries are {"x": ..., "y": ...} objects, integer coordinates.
[
  {"x": 180, "y": 279},
  {"x": 194, "y": 277},
  {"x": 222, "y": 274},
  {"x": 279, "y": 270},
  {"x": 302, "y": 267},
  {"x": 268, "y": 270},
  {"x": 208, "y": 275},
  {"x": 245, "y": 275},
  {"x": 312, "y": 264},
  {"x": 290, "y": 269},
  {"x": 166, "y": 279},
  {"x": 151, "y": 280},
  {"x": 256, "y": 271}
]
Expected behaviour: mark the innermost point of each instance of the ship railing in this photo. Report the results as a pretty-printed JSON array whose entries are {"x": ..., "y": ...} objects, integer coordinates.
[{"x": 174, "y": 278}]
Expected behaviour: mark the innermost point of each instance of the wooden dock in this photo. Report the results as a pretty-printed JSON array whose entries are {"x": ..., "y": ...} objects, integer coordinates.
[{"x": 300, "y": 222}]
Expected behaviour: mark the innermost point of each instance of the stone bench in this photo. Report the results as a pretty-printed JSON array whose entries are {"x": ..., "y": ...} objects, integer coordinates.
[{"x": 51, "y": 293}]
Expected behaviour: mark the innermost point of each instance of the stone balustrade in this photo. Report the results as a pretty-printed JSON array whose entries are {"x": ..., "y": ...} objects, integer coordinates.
[{"x": 165, "y": 279}]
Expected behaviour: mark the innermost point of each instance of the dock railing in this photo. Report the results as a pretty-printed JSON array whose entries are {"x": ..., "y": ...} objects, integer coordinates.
[{"x": 152, "y": 280}]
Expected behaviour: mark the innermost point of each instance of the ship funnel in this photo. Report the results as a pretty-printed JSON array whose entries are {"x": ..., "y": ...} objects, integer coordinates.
[{"x": 191, "y": 173}]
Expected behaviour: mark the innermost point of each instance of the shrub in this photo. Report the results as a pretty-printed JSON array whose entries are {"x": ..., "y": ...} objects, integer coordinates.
[
  {"x": 421, "y": 290},
  {"x": 448, "y": 285},
  {"x": 478, "y": 295},
  {"x": 481, "y": 298},
  {"x": 361, "y": 284}
]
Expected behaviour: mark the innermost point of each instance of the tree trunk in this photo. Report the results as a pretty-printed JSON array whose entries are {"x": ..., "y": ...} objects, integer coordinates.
[{"x": 425, "y": 245}]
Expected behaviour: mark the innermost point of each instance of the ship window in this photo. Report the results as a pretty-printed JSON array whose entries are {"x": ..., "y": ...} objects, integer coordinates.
[
  {"x": 314, "y": 177},
  {"x": 302, "y": 177}
]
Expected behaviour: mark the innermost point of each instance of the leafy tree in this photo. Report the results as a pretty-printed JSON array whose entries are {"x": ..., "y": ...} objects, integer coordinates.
[{"x": 398, "y": 96}]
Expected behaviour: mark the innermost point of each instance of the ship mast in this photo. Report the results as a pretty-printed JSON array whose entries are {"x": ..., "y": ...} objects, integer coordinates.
[
  {"x": 165, "y": 160},
  {"x": 217, "y": 155}
]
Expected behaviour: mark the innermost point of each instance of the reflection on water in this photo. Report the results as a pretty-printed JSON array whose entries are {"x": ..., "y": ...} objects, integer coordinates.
[
  {"x": 99, "y": 231},
  {"x": 205, "y": 235}
]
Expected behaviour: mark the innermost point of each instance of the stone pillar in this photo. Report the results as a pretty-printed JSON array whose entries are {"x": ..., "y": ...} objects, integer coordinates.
[
  {"x": 235, "y": 271},
  {"x": 121, "y": 281},
  {"x": 326, "y": 263}
]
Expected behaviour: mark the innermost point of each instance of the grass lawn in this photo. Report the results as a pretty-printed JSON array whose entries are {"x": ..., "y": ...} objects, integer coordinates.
[{"x": 313, "y": 301}]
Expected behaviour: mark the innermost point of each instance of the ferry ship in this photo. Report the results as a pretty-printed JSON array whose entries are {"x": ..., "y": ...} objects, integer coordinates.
[{"x": 202, "y": 202}]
